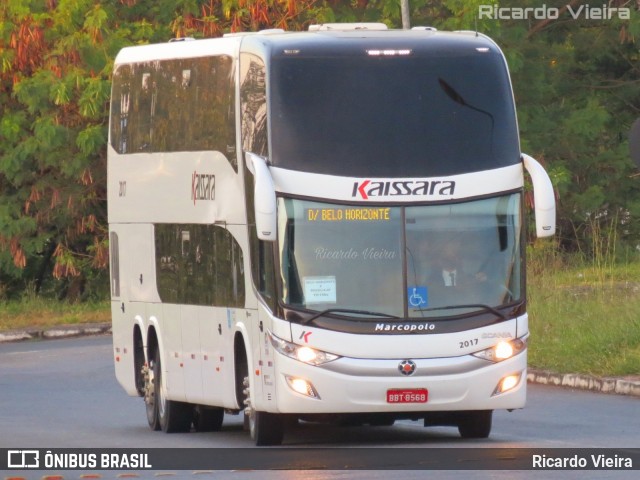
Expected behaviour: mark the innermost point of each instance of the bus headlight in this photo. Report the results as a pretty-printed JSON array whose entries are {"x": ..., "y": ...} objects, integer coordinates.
[
  {"x": 503, "y": 350},
  {"x": 301, "y": 353}
]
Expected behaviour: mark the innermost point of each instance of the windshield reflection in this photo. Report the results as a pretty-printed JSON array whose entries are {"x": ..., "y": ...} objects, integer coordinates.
[{"x": 408, "y": 262}]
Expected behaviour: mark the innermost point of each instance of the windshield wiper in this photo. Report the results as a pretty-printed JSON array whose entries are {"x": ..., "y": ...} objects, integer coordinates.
[
  {"x": 346, "y": 310},
  {"x": 469, "y": 305}
]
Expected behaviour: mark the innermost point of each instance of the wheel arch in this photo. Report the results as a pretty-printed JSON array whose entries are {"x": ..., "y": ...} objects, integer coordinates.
[
  {"x": 152, "y": 343},
  {"x": 240, "y": 365},
  {"x": 138, "y": 358}
]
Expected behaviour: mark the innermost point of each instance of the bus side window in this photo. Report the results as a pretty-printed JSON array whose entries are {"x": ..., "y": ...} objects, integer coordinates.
[
  {"x": 227, "y": 269},
  {"x": 253, "y": 95},
  {"x": 199, "y": 265},
  {"x": 263, "y": 268},
  {"x": 253, "y": 98}
]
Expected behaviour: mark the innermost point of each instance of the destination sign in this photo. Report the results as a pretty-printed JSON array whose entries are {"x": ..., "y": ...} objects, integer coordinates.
[{"x": 348, "y": 214}]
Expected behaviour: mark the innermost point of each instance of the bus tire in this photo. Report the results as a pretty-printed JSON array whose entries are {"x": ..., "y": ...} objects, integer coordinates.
[
  {"x": 475, "y": 424},
  {"x": 173, "y": 416},
  {"x": 207, "y": 419},
  {"x": 266, "y": 428},
  {"x": 150, "y": 399}
]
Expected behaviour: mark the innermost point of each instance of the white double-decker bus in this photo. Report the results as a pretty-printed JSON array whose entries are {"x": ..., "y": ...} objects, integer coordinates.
[{"x": 323, "y": 225}]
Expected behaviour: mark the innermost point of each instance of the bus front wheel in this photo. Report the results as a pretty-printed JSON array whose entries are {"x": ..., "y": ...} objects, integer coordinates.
[
  {"x": 475, "y": 424},
  {"x": 266, "y": 428}
]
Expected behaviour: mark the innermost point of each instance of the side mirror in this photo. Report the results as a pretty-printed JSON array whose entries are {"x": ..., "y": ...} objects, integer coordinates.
[
  {"x": 543, "y": 197},
  {"x": 264, "y": 198},
  {"x": 634, "y": 142}
]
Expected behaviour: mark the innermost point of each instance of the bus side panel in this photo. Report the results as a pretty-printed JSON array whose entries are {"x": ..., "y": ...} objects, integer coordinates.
[
  {"x": 207, "y": 340},
  {"x": 240, "y": 320},
  {"x": 237, "y": 320},
  {"x": 192, "y": 360},
  {"x": 265, "y": 399},
  {"x": 122, "y": 315},
  {"x": 122, "y": 334},
  {"x": 170, "y": 339},
  {"x": 142, "y": 276},
  {"x": 212, "y": 327}
]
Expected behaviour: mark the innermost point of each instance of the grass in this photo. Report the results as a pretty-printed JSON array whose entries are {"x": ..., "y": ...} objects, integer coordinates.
[
  {"x": 39, "y": 312},
  {"x": 583, "y": 317}
]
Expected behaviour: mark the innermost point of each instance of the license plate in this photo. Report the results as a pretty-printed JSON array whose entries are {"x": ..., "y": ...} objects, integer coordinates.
[{"x": 407, "y": 395}]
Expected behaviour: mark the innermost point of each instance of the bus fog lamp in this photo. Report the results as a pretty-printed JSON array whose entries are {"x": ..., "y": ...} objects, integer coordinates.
[
  {"x": 302, "y": 386},
  {"x": 507, "y": 383}
]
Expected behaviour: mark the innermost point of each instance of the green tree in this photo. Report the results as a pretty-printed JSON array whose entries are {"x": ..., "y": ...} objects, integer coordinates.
[
  {"x": 55, "y": 87},
  {"x": 576, "y": 85}
]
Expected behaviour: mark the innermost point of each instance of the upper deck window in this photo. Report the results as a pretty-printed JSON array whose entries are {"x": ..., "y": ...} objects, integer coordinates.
[
  {"x": 175, "y": 105},
  {"x": 416, "y": 114}
]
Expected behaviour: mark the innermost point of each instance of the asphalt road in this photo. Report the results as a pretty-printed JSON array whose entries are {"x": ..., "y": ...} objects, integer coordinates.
[{"x": 63, "y": 394}]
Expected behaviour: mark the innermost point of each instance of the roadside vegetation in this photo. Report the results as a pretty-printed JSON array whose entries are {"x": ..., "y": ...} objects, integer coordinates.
[
  {"x": 583, "y": 314},
  {"x": 34, "y": 311}
]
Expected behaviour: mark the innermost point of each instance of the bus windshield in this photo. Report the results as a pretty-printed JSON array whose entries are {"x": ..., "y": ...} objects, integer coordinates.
[
  {"x": 407, "y": 262},
  {"x": 392, "y": 117}
]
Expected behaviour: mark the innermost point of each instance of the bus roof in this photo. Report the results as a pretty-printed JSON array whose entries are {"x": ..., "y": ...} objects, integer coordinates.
[
  {"x": 346, "y": 43},
  {"x": 315, "y": 43}
]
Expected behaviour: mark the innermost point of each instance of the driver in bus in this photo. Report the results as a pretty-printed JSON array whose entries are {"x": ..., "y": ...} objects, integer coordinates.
[{"x": 442, "y": 264}]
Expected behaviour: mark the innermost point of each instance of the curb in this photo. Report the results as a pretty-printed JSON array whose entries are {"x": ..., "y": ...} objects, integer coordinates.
[
  {"x": 66, "y": 331},
  {"x": 629, "y": 386},
  {"x": 616, "y": 385}
]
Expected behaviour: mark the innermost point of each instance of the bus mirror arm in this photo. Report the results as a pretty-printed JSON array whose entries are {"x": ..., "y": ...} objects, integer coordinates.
[
  {"x": 544, "y": 197},
  {"x": 264, "y": 197}
]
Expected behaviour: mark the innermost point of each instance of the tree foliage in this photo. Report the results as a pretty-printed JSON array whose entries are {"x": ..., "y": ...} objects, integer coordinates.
[{"x": 576, "y": 86}]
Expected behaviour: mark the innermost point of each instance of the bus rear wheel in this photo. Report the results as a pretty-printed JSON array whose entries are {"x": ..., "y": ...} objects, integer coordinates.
[
  {"x": 150, "y": 400},
  {"x": 475, "y": 424},
  {"x": 207, "y": 419},
  {"x": 173, "y": 416}
]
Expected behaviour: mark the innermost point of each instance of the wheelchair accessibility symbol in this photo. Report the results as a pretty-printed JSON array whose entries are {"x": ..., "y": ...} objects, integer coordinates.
[{"x": 417, "y": 297}]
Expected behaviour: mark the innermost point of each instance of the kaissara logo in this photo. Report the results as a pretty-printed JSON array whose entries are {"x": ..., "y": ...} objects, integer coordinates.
[
  {"x": 203, "y": 186},
  {"x": 397, "y": 188}
]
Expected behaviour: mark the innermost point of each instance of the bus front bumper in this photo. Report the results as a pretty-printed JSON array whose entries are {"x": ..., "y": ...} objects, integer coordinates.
[{"x": 358, "y": 385}]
